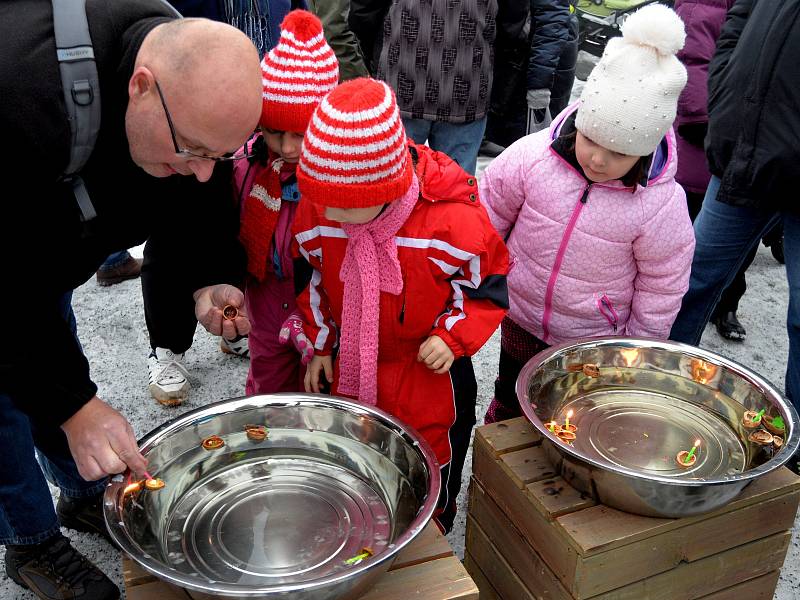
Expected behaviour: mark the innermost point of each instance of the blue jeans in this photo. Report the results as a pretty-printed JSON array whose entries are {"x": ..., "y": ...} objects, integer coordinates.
[
  {"x": 116, "y": 259},
  {"x": 460, "y": 141},
  {"x": 26, "y": 506},
  {"x": 725, "y": 235}
]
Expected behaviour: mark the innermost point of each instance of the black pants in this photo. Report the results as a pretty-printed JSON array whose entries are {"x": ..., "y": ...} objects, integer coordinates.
[
  {"x": 465, "y": 389},
  {"x": 729, "y": 301},
  {"x": 168, "y": 301}
]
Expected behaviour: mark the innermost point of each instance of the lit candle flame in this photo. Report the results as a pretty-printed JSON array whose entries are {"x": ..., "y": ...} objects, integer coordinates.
[
  {"x": 551, "y": 426},
  {"x": 132, "y": 487},
  {"x": 569, "y": 416}
]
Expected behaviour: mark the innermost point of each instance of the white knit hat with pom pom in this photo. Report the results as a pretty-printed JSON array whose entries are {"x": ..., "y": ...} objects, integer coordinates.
[{"x": 630, "y": 98}]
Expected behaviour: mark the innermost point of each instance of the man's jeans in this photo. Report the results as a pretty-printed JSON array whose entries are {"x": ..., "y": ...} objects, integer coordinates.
[
  {"x": 26, "y": 506},
  {"x": 725, "y": 235},
  {"x": 460, "y": 141}
]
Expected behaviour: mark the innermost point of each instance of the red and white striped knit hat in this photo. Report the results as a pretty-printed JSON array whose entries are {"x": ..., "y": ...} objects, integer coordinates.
[
  {"x": 297, "y": 73},
  {"x": 355, "y": 153}
]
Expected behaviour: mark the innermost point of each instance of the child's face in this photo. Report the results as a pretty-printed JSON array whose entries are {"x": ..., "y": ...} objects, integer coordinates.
[
  {"x": 287, "y": 144},
  {"x": 353, "y": 216},
  {"x": 600, "y": 164}
]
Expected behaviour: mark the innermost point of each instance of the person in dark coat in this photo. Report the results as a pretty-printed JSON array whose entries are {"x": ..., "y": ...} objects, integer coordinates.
[
  {"x": 703, "y": 20},
  {"x": 752, "y": 150},
  {"x": 534, "y": 67}
]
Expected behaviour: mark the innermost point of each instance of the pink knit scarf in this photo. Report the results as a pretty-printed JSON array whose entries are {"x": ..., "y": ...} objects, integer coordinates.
[{"x": 370, "y": 266}]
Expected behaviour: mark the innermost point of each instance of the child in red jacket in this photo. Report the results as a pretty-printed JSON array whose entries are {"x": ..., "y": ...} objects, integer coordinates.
[
  {"x": 406, "y": 265},
  {"x": 297, "y": 73}
]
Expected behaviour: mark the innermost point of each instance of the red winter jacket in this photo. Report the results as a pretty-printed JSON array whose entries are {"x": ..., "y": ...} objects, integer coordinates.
[{"x": 454, "y": 267}]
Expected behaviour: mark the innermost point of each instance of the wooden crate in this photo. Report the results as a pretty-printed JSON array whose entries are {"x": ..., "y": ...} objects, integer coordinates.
[
  {"x": 426, "y": 570},
  {"x": 531, "y": 535}
]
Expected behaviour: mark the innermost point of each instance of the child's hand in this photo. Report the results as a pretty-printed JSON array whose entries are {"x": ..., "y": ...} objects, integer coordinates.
[
  {"x": 436, "y": 355},
  {"x": 317, "y": 364},
  {"x": 292, "y": 329}
]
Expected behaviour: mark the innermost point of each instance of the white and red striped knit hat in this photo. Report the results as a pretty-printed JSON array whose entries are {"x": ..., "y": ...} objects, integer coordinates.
[
  {"x": 297, "y": 73},
  {"x": 355, "y": 152}
]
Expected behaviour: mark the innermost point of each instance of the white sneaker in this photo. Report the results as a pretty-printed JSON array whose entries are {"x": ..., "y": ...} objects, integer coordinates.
[
  {"x": 237, "y": 346},
  {"x": 169, "y": 379}
]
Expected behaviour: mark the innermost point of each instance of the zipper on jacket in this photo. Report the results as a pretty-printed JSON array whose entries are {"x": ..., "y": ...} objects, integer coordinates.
[
  {"x": 562, "y": 248},
  {"x": 607, "y": 310}
]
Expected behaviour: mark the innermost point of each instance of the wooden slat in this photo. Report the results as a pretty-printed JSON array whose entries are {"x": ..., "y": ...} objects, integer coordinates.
[
  {"x": 440, "y": 579},
  {"x": 155, "y": 590},
  {"x": 709, "y": 575},
  {"x": 133, "y": 574},
  {"x": 487, "y": 592},
  {"x": 597, "y": 573},
  {"x": 527, "y": 465},
  {"x": 495, "y": 529},
  {"x": 760, "y": 588},
  {"x": 549, "y": 540},
  {"x": 601, "y": 528},
  {"x": 508, "y": 436},
  {"x": 491, "y": 562},
  {"x": 430, "y": 544},
  {"x": 555, "y": 497}
]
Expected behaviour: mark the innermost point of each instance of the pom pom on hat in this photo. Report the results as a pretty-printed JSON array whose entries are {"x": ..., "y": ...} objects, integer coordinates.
[
  {"x": 297, "y": 73},
  {"x": 631, "y": 97},
  {"x": 658, "y": 27},
  {"x": 355, "y": 152}
]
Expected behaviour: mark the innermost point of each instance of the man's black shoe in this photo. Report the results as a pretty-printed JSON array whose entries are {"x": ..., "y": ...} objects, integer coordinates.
[
  {"x": 729, "y": 327},
  {"x": 82, "y": 514},
  {"x": 490, "y": 149},
  {"x": 54, "y": 570}
]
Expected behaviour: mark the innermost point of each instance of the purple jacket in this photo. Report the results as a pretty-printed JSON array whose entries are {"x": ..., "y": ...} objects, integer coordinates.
[
  {"x": 616, "y": 264},
  {"x": 703, "y": 20}
]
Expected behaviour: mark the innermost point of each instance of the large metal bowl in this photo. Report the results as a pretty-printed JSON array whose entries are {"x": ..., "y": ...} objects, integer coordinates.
[
  {"x": 282, "y": 517},
  {"x": 651, "y": 400}
]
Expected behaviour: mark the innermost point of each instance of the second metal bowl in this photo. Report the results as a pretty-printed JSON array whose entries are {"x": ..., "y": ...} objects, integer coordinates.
[{"x": 637, "y": 404}]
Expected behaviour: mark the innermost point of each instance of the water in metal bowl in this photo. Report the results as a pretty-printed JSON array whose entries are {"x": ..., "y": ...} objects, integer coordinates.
[
  {"x": 637, "y": 404},
  {"x": 316, "y": 509}
]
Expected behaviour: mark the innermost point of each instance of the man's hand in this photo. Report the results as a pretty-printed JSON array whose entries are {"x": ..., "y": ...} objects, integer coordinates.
[
  {"x": 317, "y": 365},
  {"x": 208, "y": 304},
  {"x": 292, "y": 329},
  {"x": 102, "y": 441},
  {"x": 436, "y": 355}
]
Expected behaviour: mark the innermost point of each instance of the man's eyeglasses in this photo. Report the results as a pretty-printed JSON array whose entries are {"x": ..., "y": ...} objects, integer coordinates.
[{"x": 239, "y": 154}]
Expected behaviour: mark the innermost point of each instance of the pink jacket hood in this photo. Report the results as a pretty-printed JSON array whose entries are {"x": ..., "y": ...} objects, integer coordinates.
[{"x": 589, "y": 259}]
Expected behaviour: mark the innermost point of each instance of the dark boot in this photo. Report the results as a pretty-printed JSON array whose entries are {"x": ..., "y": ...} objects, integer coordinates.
[
  {"x": 82, "y": 514},
  {"x": 54, "y": 570},
  {"x": 130, "y": 269},
  {"x": 729, "y": 327}
]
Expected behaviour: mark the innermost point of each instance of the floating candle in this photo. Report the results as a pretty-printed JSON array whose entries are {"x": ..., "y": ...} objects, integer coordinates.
[
  {"x": 759, "y": 414},
  {"x": 568, "y": 417},
  {"x": 689, "y": 456}
]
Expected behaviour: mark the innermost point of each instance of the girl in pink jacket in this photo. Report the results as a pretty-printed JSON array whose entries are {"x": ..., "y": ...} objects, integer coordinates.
[
  {"x": 296, "y": 73},
  {"x": 597, "y": 227}
]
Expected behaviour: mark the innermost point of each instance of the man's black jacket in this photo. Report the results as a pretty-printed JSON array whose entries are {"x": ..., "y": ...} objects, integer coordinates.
[
  {"x": 754, "y": 105},
  {"x": 45, "y": 250}
]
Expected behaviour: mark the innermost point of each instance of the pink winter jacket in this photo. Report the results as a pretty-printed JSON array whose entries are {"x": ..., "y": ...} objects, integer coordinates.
[{"x": 616, "y": 263}]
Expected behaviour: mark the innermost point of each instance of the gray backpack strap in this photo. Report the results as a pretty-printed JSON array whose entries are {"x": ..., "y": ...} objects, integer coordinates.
[{"x": 81, "y": 91}]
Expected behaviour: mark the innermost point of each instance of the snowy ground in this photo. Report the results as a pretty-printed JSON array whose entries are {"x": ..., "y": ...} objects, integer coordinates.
[{"x": 112, "y": 329}]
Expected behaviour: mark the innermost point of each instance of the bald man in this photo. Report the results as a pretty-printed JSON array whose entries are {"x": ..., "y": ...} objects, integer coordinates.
[{"x": 177, "y": 96}]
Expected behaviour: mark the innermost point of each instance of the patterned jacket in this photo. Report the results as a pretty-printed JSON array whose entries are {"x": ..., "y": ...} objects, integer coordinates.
[
  {"x": 589, "y": 259},
  {"x": 437, "y": 55}
]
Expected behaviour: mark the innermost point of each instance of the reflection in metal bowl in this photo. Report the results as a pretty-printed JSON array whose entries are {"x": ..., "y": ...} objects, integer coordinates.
[{"x": 646, "y": 401}]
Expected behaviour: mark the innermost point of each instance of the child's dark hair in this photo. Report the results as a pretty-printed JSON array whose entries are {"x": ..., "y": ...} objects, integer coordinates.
[{"x": 631, "y": 179}]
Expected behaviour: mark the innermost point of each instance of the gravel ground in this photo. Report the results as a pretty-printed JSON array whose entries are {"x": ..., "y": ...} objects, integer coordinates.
[{"x": 112, "y": 329}]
